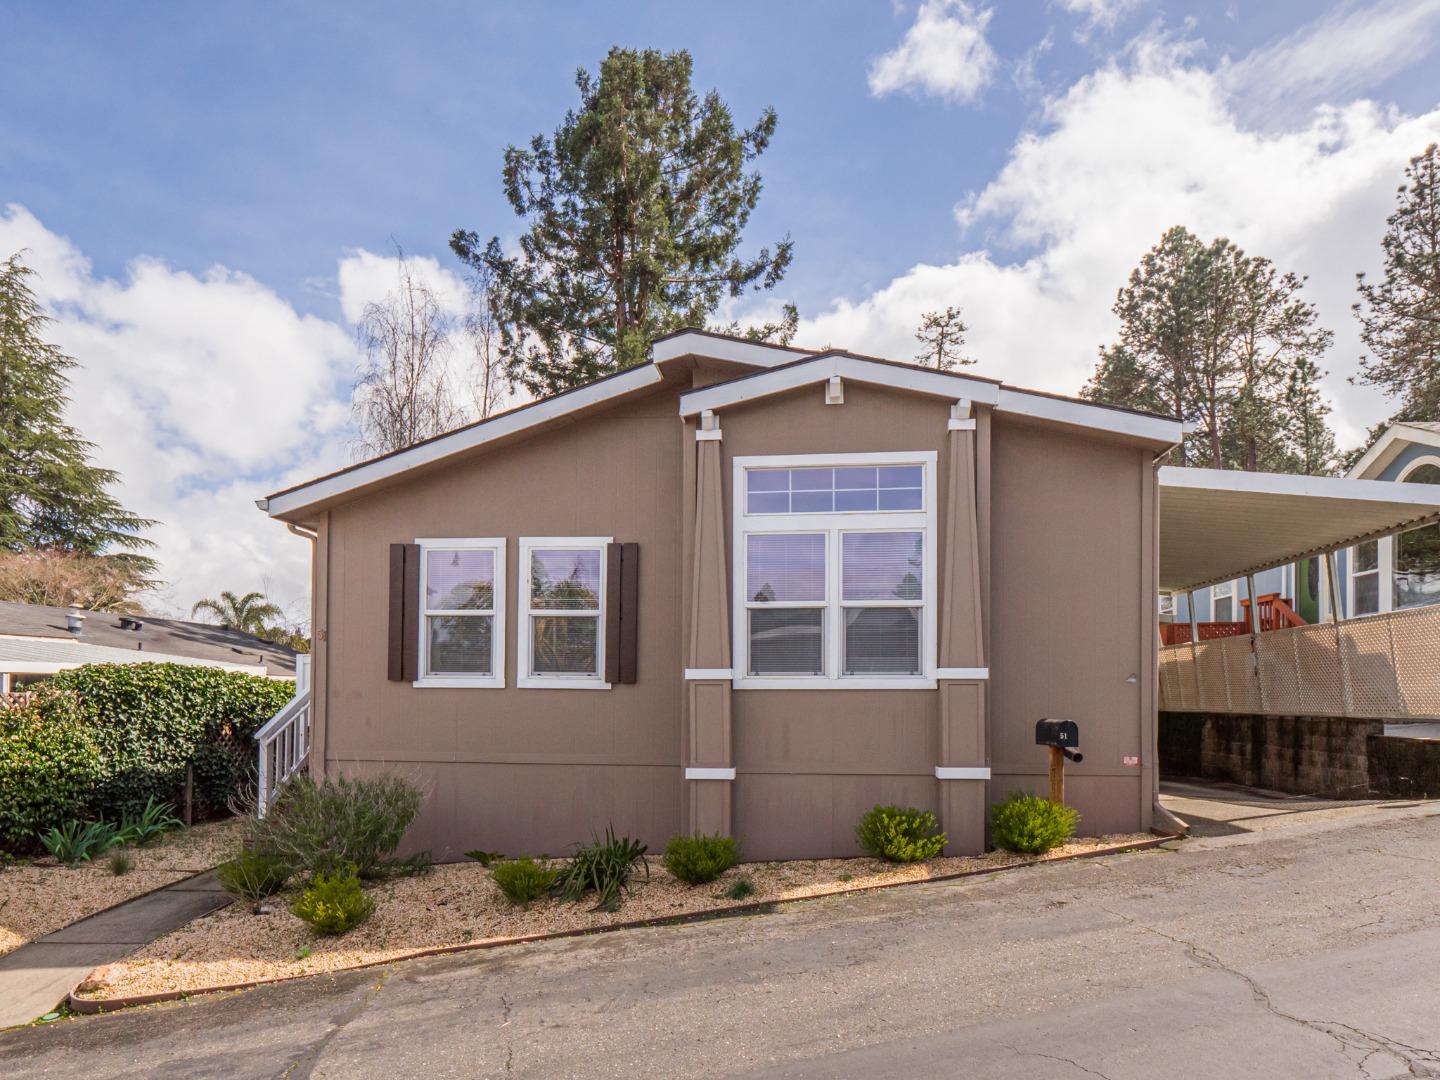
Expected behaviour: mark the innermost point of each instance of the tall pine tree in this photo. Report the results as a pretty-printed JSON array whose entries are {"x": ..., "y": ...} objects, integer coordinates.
[
  {"x": 634, "y": 211},
  {"x": 1400, "y": 314},
  {"x": 52, "y": 498}
]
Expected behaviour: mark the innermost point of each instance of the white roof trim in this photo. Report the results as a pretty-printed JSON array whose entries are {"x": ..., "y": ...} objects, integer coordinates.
[
  {"x": 25, "y": 655},
  {"x": 1385, "y": 451},
  {"x": 927, "y": 381},
  {"x": 1424, "y": 496},
  {"x": 822, "y": 369},
  {"x": 468, "y": 438},
  {"x": 717, "y": 347}
]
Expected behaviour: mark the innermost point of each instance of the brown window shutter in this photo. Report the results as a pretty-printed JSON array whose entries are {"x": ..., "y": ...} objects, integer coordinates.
[
  {"x": 629, "y": 613},
  {"x": 622, "y": 612},
  {"x": 404, "y": 634},
  {"x": 614, "y": 598}
]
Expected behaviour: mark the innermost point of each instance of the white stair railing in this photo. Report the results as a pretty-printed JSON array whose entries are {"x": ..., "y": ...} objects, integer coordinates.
[{"x": 284, "y": 740}]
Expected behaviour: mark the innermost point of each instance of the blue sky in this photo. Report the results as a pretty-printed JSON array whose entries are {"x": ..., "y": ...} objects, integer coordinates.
[{"x": 252, "y": 163}]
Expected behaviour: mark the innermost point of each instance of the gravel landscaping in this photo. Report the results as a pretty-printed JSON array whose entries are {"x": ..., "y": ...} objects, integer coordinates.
[
  {"x": 457, "y": 904},
  {"x": 41, "y": 896}
]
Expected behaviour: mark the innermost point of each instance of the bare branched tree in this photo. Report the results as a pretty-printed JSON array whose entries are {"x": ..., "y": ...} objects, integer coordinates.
[
  {"x": 403, "y": 394},
  {"x": 489, "y": 384}
]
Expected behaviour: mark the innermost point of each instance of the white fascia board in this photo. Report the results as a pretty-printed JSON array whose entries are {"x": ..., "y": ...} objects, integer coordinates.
[
  {"x": 822, "y": 369},
  {"x": 1385, "y": 449},
  {"x": 1081, "y": 414},
  {"x": 695, "y": 343},
  {"x": 465, "y": 439},
  {"x": 1314, "y": 487}
]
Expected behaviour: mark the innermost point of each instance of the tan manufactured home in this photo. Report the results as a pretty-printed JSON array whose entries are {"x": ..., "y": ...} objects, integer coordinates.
[{"x": 745, "y": 589}]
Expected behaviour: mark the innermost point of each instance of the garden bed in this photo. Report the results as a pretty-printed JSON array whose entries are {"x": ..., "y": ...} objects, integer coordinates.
[
  {"x": 41, "y": 896},
  {"x": 456, "y": 906}
]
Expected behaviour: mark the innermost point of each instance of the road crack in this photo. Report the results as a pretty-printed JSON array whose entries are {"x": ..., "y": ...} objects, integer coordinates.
[
  {"x": 302, "y": 1066},
  {"x": 1417, "y": 1059},
  {"x": 1056, "y": 1057}
]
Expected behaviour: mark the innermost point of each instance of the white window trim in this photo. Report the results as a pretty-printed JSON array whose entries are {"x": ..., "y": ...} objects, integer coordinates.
[
  {"x": 833, "y": 525},
  {"x": 496, "y": 679},
  {"x": 1386, "y": 546},
  {"x": 1225, "y": 590},
  {"x": 523, "y": 678}
]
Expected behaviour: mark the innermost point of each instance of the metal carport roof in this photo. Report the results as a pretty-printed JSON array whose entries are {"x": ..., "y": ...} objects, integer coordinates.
[{"x": 1218, "y": 524}]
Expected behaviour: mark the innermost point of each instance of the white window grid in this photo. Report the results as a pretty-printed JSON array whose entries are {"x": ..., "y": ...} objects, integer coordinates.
[{"x": 496, "y": 611}]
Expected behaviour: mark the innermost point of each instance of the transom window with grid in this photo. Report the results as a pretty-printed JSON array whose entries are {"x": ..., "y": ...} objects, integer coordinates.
[{"x": 835, "y": 583}]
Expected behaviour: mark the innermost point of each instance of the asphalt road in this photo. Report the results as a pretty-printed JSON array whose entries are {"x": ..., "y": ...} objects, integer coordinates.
[{"x": 1307, "y": 951}]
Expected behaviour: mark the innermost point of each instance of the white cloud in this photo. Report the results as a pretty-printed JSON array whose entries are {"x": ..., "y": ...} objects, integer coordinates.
[
  {"x": 1102, "y": 14},
  {"x": 1119, "y": 157},
  {"x": 205, "y": 392},
  {"x": 944, "y": 53},
  {"x": 1338, "y": 55}
]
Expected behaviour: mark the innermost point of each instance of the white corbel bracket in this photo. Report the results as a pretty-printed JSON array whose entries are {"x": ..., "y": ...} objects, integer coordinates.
[
  {"x": 960, "y": 416},
  {"x": 709, "y": 429},
  {"x": 835, "y": 391}
]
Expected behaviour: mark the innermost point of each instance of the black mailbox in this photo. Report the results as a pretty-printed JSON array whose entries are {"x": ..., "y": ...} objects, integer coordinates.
[{"x": 1061, "y": 733}]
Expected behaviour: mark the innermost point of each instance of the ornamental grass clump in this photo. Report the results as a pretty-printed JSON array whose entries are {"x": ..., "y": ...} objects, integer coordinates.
[
  {"x": 1031, "y": 825},
  {"x": 699, "y": 859},
  {"x": 252, "y": 876},
  {"x": 523, "y": 880},
  {"x": 333, "y": 902},
  {"x": 316, "y": 827},
  {"x": 75, "y": 842},
  {"x": 604, "y": 867},
  {"x": 900, "y": 834}
]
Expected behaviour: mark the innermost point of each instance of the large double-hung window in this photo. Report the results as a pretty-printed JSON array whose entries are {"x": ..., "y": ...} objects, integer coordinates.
[
  {"x": 835, "y": 571},
  {"x": 462, "y": 623}
]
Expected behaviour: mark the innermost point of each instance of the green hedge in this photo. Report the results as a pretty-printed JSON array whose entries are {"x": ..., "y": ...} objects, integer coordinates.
[
  {"x": 48, "y": 767},
  {"x": 148, "y": 721}
]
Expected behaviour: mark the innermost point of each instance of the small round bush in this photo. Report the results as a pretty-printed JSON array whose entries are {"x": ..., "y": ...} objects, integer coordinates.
[
  {"x": 698, "y": 859},
  {"x": 523, "y": 880},
  {"x": 900, "y": 834},
  {"x": 333, "y": 903},
  {"x": 48, "y": 767},
  {"x": 252, "y": 876},
  {"x": 1031, "y": 825}
]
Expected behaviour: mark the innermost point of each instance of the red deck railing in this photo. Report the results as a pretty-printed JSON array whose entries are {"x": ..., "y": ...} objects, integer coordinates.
[{"x": 1275, "y": 614}]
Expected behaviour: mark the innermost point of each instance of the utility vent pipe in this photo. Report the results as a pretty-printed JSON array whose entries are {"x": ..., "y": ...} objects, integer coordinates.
[{"x": 75, "y": 620}]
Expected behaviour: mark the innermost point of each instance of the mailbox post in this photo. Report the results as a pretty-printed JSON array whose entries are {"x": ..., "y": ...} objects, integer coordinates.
[{"x": 1063, "y": 739}]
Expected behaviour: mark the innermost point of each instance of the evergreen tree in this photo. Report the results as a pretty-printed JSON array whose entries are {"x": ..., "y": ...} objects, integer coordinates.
[
  {"x": 52, "y": 498},
  {"x": 1400, "y": 315},
  {"x": 942, "y": 337},
  {"x": 634, "y": 209},
  {"x": 1210, "y": 335},
  {"x": 1310, "y": 444}
]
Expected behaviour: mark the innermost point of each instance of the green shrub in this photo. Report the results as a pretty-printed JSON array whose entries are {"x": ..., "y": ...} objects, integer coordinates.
[
  {"x": 251, "y": 876},
  {"x": 523, "y": 880},
  {"x": 900, "y": 834},
  {"x": 333, "y": 903},
  {"x": 740, "y": 888},
  {"x": 48, "y": 766},
  {"x": 698, "y": 859},
  {"x": 121, "y": 861},
  {"x": 603, "y": 866},
  {"x": 148, "y": 721},
  {"x": 1030, "y": 824},
  {"x": 485, "y": 858},
  {"x": 321, "y": 826},
  {"x": 153, "y": 822},
  {"x": 75, "y": 842}
]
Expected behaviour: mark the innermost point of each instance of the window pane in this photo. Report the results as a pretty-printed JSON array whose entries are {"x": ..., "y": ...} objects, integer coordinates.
[
  {"x": 1367, "y": 594},
  {"x": 455, "y": 580},
  {"x": 1224, "y": 609},
  {"x": 564, "y": 645},
  {"x": 1417, "y": 566},
  {"x": 1425, "y": 474},
  {"x": 900, "y": 499},
  {"x": 855, "y": 500},
  {"x": 459, "y": 644},
  {"x": 1367, "y": 556},
  {"x": 883, "y": 566},
  {"x": 812, "y": 479},
  {"x": 768, "y": 502},
  {"x": 786, "y": 642},
  {"x": 855, "y": 478},
  {"x": 882, "y": 641},
  {"x": 811, "y": 502},
  {"x": 565, "y": 579},
  {"x": 785, "y": 567},
  {"x": 769, "y": 479},
  {"x": 901, "y": 476}
]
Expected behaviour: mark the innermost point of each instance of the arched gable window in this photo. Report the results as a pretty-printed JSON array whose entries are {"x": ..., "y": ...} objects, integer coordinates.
[{"x": 1415, "y": 575}]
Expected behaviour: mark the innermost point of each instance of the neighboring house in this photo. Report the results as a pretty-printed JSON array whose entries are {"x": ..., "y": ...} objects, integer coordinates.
[
  {"x": 1382, "y": 575},
  {"x": 742, "y": 589},
  {"x": 38, "y": 641}
]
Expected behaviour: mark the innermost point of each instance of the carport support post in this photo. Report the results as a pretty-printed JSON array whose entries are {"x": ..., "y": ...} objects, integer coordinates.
[
  {"x": 1255, "y": 637},
  {"x": 1332, "y": 579}
]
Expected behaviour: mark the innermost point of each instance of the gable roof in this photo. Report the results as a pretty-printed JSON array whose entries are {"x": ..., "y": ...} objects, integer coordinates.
[
  {"x": 157, "y": 639},
  {"x": 788, "y": 365},
  {"x": 1392, "y": 443}
]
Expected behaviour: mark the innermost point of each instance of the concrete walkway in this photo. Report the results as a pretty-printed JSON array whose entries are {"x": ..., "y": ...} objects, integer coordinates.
[{"x": 35, "y": 978}]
